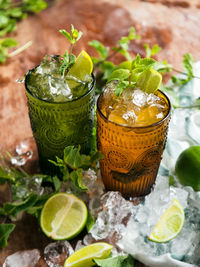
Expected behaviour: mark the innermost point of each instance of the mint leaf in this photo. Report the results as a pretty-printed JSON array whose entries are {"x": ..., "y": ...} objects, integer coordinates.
[
  {"x": 67, "y": 35},
  {"x": 119, "y": 261},
  {"x": 188, "y": 64},
  {"x": 107, "y": 67},
  {"x": 12, "y": 209},
  {"x": 5, "y": 231},
  {"x": 77, "y": 178},
  {"x": 119, "y": 75},
  {"x": 100, "y": 48},
  {"x": 120, "y": 87},
  {"x": 152, "y": 51},
  {"x": 74, "y": 159},
  {"x": 90, "y": 222},
  {"x": 8, "y": 42}
]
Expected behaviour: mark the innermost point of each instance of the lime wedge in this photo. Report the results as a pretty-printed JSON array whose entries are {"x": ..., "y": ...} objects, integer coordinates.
[
  {"x": 81, "y": 70},
  {"x": 149, "y": 81},
  {"x": 170, "y": 223},
  {"x": 83, "y": 257},
  {"x": 63, "y": 216}
]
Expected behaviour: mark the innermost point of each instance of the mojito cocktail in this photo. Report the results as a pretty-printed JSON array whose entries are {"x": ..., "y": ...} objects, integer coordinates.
[
  {"x": 61, "y": 109},
  {"x": 132, "y": 131}
]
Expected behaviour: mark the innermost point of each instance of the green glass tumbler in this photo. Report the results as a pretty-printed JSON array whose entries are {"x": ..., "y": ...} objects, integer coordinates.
[{"x": 56, "y": 125}]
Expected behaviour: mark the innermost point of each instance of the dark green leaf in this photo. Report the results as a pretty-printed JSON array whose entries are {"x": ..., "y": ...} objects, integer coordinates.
[
  {"x": 5, "y": 231},
  {"x": 74, "y": 159},
  {"x": 77, "y": 178},
  {"x": 119, "y": 261},
  {"x": 100, "y": 48},
  {"x": 12, "y": 209},
  {"x": 56, "y": 183}
]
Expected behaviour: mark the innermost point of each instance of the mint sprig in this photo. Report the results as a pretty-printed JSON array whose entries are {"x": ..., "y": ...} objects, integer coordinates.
[
  {"x": 10, "y": 13},
  {"x": 68, "y": 58},
  {"x": 74, "y": 163}
]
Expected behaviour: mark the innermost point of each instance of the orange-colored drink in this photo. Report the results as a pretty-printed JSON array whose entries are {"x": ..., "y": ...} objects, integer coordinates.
[{"x": 132, "y": 130}]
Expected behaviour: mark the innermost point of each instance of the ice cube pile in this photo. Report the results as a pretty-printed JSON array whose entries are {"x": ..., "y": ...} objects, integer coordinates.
[
  {"x": 127, "y": 225},
  {"x": 133, "y": 107},
  {"x": 47, "y": 83}
]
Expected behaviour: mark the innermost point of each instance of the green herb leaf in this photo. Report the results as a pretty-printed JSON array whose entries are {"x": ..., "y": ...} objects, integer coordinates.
[
  {"x": 188, "y": 64},
  {"x": 77, "y": 178},
  {"x": 90, "y": 221},
  {"x": 5, "y": 231},
  {"x": 119, "y": 75},
  {"x": 119, "y": 261},
  {"x": 34, "y": 6},
  {"x": 12, "y": 209},
  {"x": 152, "y": 51},
  {"x": 100, "y": 48},
  {"x": 67, "y": 35},
  {"x": 8, "y": 42},
  {"x": 120, "y": 87}
]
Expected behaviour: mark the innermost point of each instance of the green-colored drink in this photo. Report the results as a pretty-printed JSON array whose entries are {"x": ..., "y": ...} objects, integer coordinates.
[{"x": 61, "y": 109}]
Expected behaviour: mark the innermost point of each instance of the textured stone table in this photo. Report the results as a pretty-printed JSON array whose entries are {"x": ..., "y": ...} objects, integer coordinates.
[{"x": 174, "y": 25}]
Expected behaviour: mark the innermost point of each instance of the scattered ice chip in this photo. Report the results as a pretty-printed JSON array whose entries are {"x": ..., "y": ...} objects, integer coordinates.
[
  {"x": 56, "y": 253},
  {"x": 27, "y": 258}
]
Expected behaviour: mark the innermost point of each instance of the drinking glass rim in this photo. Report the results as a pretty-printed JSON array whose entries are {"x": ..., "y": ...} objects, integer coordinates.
[
  {"x": 135, "y": 127},
  {"x": 60, "y": 102}
]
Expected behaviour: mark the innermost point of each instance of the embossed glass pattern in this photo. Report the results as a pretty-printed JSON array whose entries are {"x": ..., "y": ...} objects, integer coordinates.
[
  {"x": 132, "y": 155},
  {"x": 56, "y": 125}
]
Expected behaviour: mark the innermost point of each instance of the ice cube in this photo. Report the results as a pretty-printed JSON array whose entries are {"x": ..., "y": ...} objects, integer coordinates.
[
  {"x": 27, "y": 258},
  {"x": 56, "y": 253},
  {"x": 139, "y": 98},
  {"x": 112, "y": 219}
]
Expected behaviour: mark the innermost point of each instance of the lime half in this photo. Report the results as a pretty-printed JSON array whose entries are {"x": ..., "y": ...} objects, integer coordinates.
[
  {"x": 149, "y": 81},
  {"x": 63, "y": 216},
  {"x": 84, "y": 256},
  {"x": 170, "y": 223}
]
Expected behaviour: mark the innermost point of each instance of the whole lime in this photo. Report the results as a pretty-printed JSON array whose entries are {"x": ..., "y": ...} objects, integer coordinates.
[{"x": 187, "y": 168}]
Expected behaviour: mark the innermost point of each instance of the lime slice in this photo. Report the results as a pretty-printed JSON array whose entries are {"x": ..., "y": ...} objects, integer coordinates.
[
  {"x": 83, "y": 257},
  {"x": 63, "y": 216},
  {"x": 81, "y": 70},
  {"x": 149, "y": 81},
  {"x": 187, "y": 167},
  {"x": 170, "y": 223}
]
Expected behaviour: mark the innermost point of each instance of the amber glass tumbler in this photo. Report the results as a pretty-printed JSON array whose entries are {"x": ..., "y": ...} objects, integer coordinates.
[
  {"x": 132, "y": 155},
  {"x": 56, "y": 125}
]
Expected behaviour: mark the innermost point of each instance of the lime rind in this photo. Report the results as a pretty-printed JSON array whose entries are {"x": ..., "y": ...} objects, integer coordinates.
[
  {"x": 149, "y": 81},
  {"x": 84, "y": 256},
  {"x": 67, "y": 222},
  {"x": 170, "y": 224}
]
